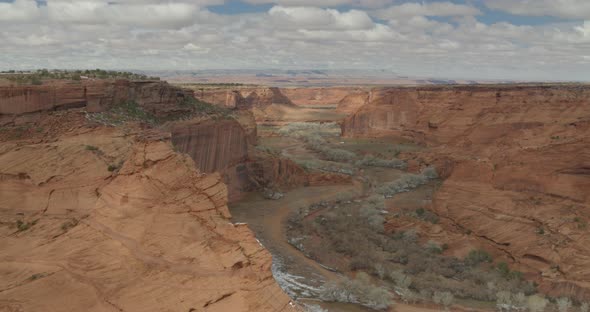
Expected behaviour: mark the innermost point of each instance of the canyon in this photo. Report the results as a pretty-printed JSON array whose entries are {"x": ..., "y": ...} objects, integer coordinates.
[
  {"x": 515, "y": 161},
  {"x": 129, "y": 207}
]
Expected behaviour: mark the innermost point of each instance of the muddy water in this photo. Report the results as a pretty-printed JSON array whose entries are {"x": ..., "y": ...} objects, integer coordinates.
[{"x": 267, "y": 218}]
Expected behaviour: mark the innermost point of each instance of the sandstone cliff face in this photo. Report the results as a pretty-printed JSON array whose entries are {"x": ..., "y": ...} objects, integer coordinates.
[
  {"x": 243, "y": 98},
  {"x": 153, "y": 235},
  {"x": 262, "y": 97},
  {"x": 517, "y": 164},
  {"x": 157, "y": 97},
  {"x": 352, "y": 102},
  {"x": 214, "y": 145},
  {"x": 318, "y": 96}
]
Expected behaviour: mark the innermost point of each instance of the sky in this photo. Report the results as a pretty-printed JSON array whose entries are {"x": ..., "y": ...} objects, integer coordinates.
[{"x": 463, "y": 39}]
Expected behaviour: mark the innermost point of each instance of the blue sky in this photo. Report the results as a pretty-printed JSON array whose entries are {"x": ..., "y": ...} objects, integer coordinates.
[{"x": 478, "y": 39}]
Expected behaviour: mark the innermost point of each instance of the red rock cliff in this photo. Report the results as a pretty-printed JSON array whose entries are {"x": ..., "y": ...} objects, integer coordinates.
[
  {"x": 243, "y": 98},
  {"x": 214, "y": 145},
  {"x": 97, "y": 95},
  {"x": 518, "y": 165}
]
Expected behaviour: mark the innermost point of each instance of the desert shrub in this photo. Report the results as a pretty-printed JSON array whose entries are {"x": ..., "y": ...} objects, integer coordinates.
[
  {"x": 564, "y": 304},
  {"x": 401, "y": 280},
  {"x": 359, "y": 290},
  {"x": 433, "y": 247},
  {"x": 91, "y": 148},
  {"x": 311, "y": 133},
  {"x": 537, "y": 303},
  {"x": 380, "y": 270},
  {"x": 378, "y": 299},
  {"x": 326, "y": 166},
  {"x": 406, "y": 183},
  {"x": 23, "y": 225},
  {"x": 519, "y": 301},
  {"x": 503, "y": 300},
  {"x": 372, "y": 161},
  {"x": 299, "y": 128},
  {"x": 201, "y": 107},
  {"x": 332, "y": 154},
  {"x": 430, "y": 173},
  {"x": 443, "y": 298},
  {"x": 477, "y": 256},
  {"x": 584, "y": 307}
]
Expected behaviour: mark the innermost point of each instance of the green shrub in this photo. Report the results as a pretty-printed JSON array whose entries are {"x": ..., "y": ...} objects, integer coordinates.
[
  {"x": 372, "y": 161},
  {"x": 23, "y": 226},
  {"x": 477, "y": 256}
]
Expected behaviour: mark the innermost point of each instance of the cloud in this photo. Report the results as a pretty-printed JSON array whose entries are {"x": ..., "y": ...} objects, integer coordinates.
[
  {"x": 410, "y": 9},
  {"x": 317, "y": 18},
  {"x": 571, "y": 9},
  {"x": 406, "y": 38},
  {"x": 160, "y": 15},
  {"x": 19, "y": 11},
  {"x": 325, "y": 3}
]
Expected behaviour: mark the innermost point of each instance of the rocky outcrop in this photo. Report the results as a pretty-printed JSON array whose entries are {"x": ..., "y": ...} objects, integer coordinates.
[
  {"x": 243, "y": 98},
  {"x": 156, "y": 97},
  {"x": 214, "y": 145},
  {"x": 352, "y": 102},
  {"x": 516, "y": 160},
  {"x": 113, "y": 219},
  {"x": 318, "y": 96}
]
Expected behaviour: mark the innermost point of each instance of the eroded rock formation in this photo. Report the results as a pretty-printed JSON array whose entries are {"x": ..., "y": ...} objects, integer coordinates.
[
  {"x": 516, "y": 161},
  {"x": 243, "y": 98},
  {"x": 157, "y": 97},
  {"x": 318, "y": 96},
  {"x": 98, "y": 218}
]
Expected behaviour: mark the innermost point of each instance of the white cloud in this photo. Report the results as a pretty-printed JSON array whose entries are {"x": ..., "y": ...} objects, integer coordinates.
[
  {"x": 165, "y": 15},
  {"x": 167, "y": 34},
  {"x": 19, "y": 11},
  {"x": 325, "y": 3},
  {"x": 576, "y": 9},
  {"x": 317, "y": 18},
  {"x": 410, "y": 9}
]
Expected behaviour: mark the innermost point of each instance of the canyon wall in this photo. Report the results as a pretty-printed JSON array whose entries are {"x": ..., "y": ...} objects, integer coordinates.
[
  {"x": 214, "y": 145},
  {"x": 242, "y": 97},
  {"x": 318, "y": 96},
  {"x": 261, "y": 97},
  {"x": 156, "y": 97},
  {"x": 353, "y": 101},
  {"x": 517, "y": 165},
  {"x": 103, "y": 218}
]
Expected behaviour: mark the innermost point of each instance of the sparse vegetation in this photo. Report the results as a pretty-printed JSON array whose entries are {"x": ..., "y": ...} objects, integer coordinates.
[
  {"x": 37, "y": 77},
  {"x": 358, "y": 290},
  {"x": 537, "y": 303},
  {"x": 69, "y": 224},
  {"x": 407, "y": 182},
  {"x": 354, "y": 230},
  {"x": 205, "y": 108},
  {"x": 296, "y": 129},
  {"x": 443, "y": 298},
  {"x": 564, "y": 304},
  {"x": 37, "y": 276},
  {"x": 371, "y": 161},
  {"x": 23, "y": 225},
  {"x": 477, "y": 256},
  {"x": 124, "y": 112}
]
